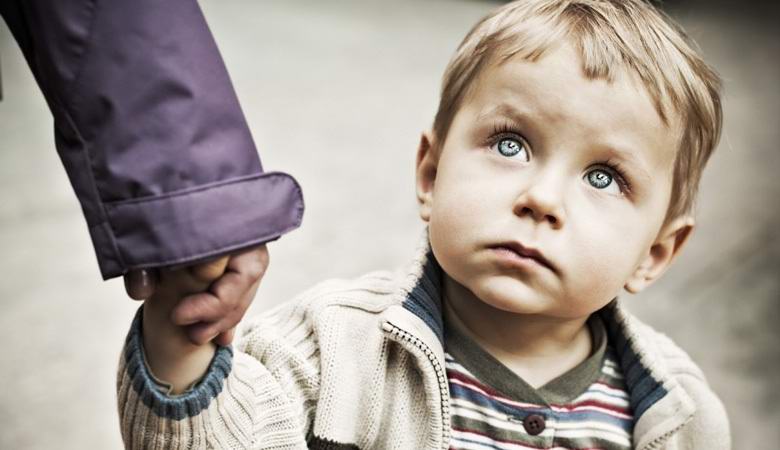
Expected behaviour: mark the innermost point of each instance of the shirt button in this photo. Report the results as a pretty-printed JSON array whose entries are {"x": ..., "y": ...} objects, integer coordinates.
[{"x": 534, "y": 424}]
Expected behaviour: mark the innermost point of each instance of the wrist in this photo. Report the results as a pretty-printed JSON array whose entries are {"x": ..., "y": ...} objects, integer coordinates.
[{"x": 170, "y": 355}]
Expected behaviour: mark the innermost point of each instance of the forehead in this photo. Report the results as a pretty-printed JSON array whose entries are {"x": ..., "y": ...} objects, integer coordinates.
[{"x": 554, "y": 94}]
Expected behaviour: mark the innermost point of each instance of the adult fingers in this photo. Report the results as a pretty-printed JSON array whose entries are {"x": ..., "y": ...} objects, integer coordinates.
[
  {"x": 222, "y": 329},
  {"x": 201, "y": 333},
  {"x": 230, "y": 295},
  {"x": 210, "y": 270},
  {"x": 201, "y": 307},
  {"x": 140, "y": 283},
  {"x": 211, "y": 309},
  {"x": 251, "y": 263},
  {"x": 226, "y": 337}
]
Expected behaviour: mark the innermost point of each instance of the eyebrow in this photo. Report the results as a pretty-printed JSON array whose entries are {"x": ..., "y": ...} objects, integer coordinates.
[{"x": 634, "y": 164}]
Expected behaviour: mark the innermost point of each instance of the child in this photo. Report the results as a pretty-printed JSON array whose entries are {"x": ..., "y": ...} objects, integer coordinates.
[{"x": 561, "y": 167}]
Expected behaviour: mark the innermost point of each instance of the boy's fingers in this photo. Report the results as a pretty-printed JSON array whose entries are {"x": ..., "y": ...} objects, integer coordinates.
[
  {"x": 201, "y": 333},
  {"x": 140, "y": 283}
]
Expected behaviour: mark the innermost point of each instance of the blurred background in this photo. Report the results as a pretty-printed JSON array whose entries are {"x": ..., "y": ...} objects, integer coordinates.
[{"x": 336, "y": 93}]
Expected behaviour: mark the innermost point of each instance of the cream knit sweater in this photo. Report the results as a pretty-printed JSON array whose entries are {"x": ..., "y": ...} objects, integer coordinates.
[{"x": 359, "y": 364}]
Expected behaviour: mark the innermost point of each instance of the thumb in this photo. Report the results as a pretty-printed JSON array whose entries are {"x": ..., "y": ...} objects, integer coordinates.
[{"x": 140, "y": 283}]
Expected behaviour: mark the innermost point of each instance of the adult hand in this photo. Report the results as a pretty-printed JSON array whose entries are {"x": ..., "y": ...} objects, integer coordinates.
[{"x": 213, "y": 313}]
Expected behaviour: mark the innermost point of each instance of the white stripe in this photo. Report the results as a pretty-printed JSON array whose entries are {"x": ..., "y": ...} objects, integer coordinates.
[
  {"x": 461, "y": 403},
  {"x": 611, "y": 363},
  {"x": 609, "y": 390},
  {"x": 504, "y": 424},
  {"x": 603, "y": 402},
  {"x": 590, "y": 425},
  {"x": 621, "y": 439},
  {"x": 603, "y": 399},
  {"x": 612, "y": 372},
  {"x": 454, "y": 365},
  {"x": 486, "y": 443}
]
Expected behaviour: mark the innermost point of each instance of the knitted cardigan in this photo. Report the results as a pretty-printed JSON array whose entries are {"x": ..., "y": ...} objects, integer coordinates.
[{"x": 359, "y": 363}]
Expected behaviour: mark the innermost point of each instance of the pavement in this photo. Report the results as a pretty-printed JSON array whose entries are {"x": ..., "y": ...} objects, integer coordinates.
[{"x": 336, "y": 93}]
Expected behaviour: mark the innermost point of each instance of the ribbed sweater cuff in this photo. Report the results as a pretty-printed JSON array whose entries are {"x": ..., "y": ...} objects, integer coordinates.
[{"x": 177, "y": 407}]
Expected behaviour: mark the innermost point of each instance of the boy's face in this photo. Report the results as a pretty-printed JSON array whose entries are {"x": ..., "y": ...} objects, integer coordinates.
[{"x": 542, "y": 158}]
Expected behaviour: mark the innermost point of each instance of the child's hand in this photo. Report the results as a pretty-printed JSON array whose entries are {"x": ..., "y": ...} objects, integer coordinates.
[{"x": 207, "y": 299}]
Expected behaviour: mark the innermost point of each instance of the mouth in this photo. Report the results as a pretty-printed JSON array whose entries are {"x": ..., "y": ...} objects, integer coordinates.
[{"x": 526, "y": 253}]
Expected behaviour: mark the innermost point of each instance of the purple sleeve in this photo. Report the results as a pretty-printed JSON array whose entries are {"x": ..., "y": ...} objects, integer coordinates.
[{"x": 150, "y": 132}]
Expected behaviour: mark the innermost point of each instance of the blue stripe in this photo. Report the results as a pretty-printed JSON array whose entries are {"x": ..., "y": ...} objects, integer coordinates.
[
  {"x": 491, "y": 444},
  {"x": 644, "y": 390},
  {"x": 424, "y": 300},
  {"x": 460, "y": 392},
  {"x": 188, "y": 405}
]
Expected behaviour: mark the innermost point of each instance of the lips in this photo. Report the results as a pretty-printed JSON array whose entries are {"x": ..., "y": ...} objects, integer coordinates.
[{"x": 526, "y": 252}]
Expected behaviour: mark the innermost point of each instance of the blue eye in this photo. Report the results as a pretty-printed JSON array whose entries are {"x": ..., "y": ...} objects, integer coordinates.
[
  {"x": 599, "y": 178},
  {"x": 511, "y": 147},
  {"x": 607, "y": 181}
]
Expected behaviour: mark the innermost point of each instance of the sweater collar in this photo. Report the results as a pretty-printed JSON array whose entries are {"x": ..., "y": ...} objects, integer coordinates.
[{"x": 648, "y": 381}]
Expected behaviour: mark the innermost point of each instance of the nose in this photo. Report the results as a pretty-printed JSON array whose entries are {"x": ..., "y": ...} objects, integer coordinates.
[{"x": 542, "y": 200}]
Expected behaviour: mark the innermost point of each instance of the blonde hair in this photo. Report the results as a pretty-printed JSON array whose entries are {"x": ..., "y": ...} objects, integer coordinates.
[{"x": 610, "y": 35}]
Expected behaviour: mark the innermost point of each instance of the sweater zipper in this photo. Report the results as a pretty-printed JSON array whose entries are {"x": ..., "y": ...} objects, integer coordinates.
[
  {"x": 657, "y": 442},
  {"x": 444, "y": 390}
]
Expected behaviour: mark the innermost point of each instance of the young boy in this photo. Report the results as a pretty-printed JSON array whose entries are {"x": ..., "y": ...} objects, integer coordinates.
[{"x": 561, "y": 167}]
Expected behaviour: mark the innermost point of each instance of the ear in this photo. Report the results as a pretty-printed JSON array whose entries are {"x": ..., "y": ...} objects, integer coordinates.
[
  {"x": 664, "y": 250},
  {"x": 426, "y": 166}
]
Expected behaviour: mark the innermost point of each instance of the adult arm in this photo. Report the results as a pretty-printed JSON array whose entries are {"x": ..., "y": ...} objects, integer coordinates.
[{"x": 150, "y": 132}]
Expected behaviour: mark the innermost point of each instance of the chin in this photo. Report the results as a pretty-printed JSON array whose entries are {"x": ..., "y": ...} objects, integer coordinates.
[{"x": 511, "y": 298}]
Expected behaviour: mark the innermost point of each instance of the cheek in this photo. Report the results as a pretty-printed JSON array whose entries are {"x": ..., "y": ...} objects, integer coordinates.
[
  {"x": 464, "y": 204},
  {"x": 459, "y": 205},
  {"x": 606, "y": 253},
  {"x": 452, "y": 216}
]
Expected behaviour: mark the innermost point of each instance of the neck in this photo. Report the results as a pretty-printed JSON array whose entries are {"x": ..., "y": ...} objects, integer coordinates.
[{"x": 538, "y": 348}]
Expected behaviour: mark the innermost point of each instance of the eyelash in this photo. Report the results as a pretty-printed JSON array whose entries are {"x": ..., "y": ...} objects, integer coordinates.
[
  {"x": 503, "y": 130},
  {"x": 618, "y": 174},
  {"x": 506, "y": 129}
]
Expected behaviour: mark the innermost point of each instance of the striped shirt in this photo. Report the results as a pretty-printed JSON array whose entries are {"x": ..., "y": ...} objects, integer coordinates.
[{"x": 493, "y": 408}]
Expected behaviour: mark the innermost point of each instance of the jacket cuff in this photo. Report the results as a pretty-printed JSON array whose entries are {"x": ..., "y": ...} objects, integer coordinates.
[
  {"x": 177, "y": 407},
  {"x": 191, "y": 225}
]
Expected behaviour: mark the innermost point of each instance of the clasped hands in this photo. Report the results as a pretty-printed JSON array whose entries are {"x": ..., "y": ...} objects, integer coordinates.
[{"x": 207, "y": 299}]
